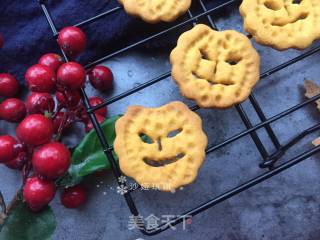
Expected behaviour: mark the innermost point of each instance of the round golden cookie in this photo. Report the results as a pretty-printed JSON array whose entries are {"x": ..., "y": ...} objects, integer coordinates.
[
  {"x": 216, "y": 69},
  {"x": 282, "y": 24},
  {"x": 160, "y": 147},
  {"x": 156, "y": 10}
]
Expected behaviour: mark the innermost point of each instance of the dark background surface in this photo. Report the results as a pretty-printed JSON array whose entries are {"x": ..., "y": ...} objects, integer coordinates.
[
  {"x": 285, "y": 207},
  {"x": 27, "y": 33}
]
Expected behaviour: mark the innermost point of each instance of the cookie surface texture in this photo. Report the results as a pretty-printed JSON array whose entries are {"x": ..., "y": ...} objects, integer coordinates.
[
  {"x": 154, "y": 11},
  {"x": 282, "y": 24},
  {"x": 160, "y": 148},
  {"x": 216, "y": 69}
]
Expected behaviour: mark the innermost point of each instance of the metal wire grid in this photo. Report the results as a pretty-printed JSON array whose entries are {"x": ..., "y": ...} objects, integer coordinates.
[{"x": 269, "y": 159}]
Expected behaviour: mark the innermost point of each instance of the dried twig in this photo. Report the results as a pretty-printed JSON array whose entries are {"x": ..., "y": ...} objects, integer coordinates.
[
  {"x": 2, "y": 204},
  {"x": 6, "y": 210},
  {"x": 3, "y": 209},
  {"x": 312, "y": 89},
  {"x": 17, "y": 198}
]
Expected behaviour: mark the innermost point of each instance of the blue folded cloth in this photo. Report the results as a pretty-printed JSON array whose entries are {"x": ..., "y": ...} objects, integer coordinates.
[{"x": 28, "y": 36}]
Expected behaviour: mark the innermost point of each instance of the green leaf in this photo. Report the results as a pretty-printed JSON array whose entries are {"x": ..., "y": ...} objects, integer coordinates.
[
  {"x": 26, "y": 225},
  {"x": 88, "y": 157},
  {"x": 68, "y": 181}
]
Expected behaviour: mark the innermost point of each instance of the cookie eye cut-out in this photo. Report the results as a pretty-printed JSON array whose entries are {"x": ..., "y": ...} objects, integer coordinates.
[
  {"x": 296, "y": 1},
  {"x": 174, "y": 133},
  {"x": 233, "y": 60},
  {"x": 145, "y": 138},
  {"x": 224, "y": 78},
  {"x": 168, "y": 162},
  {"x": 282, "y": 24}
]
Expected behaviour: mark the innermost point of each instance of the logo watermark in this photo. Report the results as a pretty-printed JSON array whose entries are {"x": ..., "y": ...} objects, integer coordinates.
[{"x": 125, "y": 187}]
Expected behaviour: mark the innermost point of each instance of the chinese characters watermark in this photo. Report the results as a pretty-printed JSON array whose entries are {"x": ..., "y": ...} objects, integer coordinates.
[
  {"x": 125, "y": 187},
  {"x": 152, "y": 221}
]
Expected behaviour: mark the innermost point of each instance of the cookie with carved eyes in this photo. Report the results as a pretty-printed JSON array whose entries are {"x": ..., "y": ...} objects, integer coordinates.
[
  {"x": 156, "y": 10},
  {"x": 161, "y": 147},
  {"x": 216, "y": 69},
  {"x": 282, "y": 24}
]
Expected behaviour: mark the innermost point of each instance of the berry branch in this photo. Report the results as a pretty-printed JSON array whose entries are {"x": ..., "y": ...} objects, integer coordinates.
[
  {"x": 3, "y": 208},
  {"x": 53, "y": 105},
  {"x": 62, "y": 126},
  {"x": 6, "y": 210}
]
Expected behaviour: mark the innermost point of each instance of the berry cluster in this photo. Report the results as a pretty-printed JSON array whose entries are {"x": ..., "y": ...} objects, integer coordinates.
[{"x": 54, "y": 103}]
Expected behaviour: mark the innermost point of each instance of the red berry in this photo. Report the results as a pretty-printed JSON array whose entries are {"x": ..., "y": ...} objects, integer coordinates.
[
  {"x": 8, "y": 146},
  {"x": 61, "y": 98},
  {"x": 95, "y": 101},
  {"x": 51, "y": 160},
  {"x": 74, "y": 197},
  {"x": 39, "y": 103},
  {"x": 89, "y": 125},
  {"x": 72, "y": 40},
  {"x": 101, "y": 78},
  {"x": 9, "y": 86},
  {"x": 12, "y": 110},
  {"x": 38, "y": 193},
  {"x": 51, "y": 60},
  {"x": 35, "y": 130},
  {"x": 40, "y": 78},
  {"x": 18, "y": 162},
  {"x": 68, "y": 98},
  {"x": 1, "y": 41},
  {"x": 71, "y": 75}
]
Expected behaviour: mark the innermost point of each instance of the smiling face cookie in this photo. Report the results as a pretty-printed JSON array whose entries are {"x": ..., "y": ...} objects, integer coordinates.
[
  {"x": 282, "y": 24},
  {"x": 156, "y": 10},
  {"x": 160, "y": 147},
  {"x": 216, "y": 69}
]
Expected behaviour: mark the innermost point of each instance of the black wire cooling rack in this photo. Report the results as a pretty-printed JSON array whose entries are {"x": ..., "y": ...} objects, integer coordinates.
[{"x": 269, "y": 159}]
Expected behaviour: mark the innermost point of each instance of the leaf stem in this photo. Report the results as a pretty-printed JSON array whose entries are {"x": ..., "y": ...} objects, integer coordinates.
[
  {"x": 5, "y": 213},
  {"x": 17, "y": 197},
  {"x": 3, "y": 206}
]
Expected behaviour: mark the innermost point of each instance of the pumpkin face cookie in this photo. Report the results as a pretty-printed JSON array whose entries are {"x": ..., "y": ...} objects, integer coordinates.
[
  {"x": 216, "y": 69},
  {"x": 160, "y": 147},
  {"x": 156, "y": 10},
  {"x": 282, "y": 24}
]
